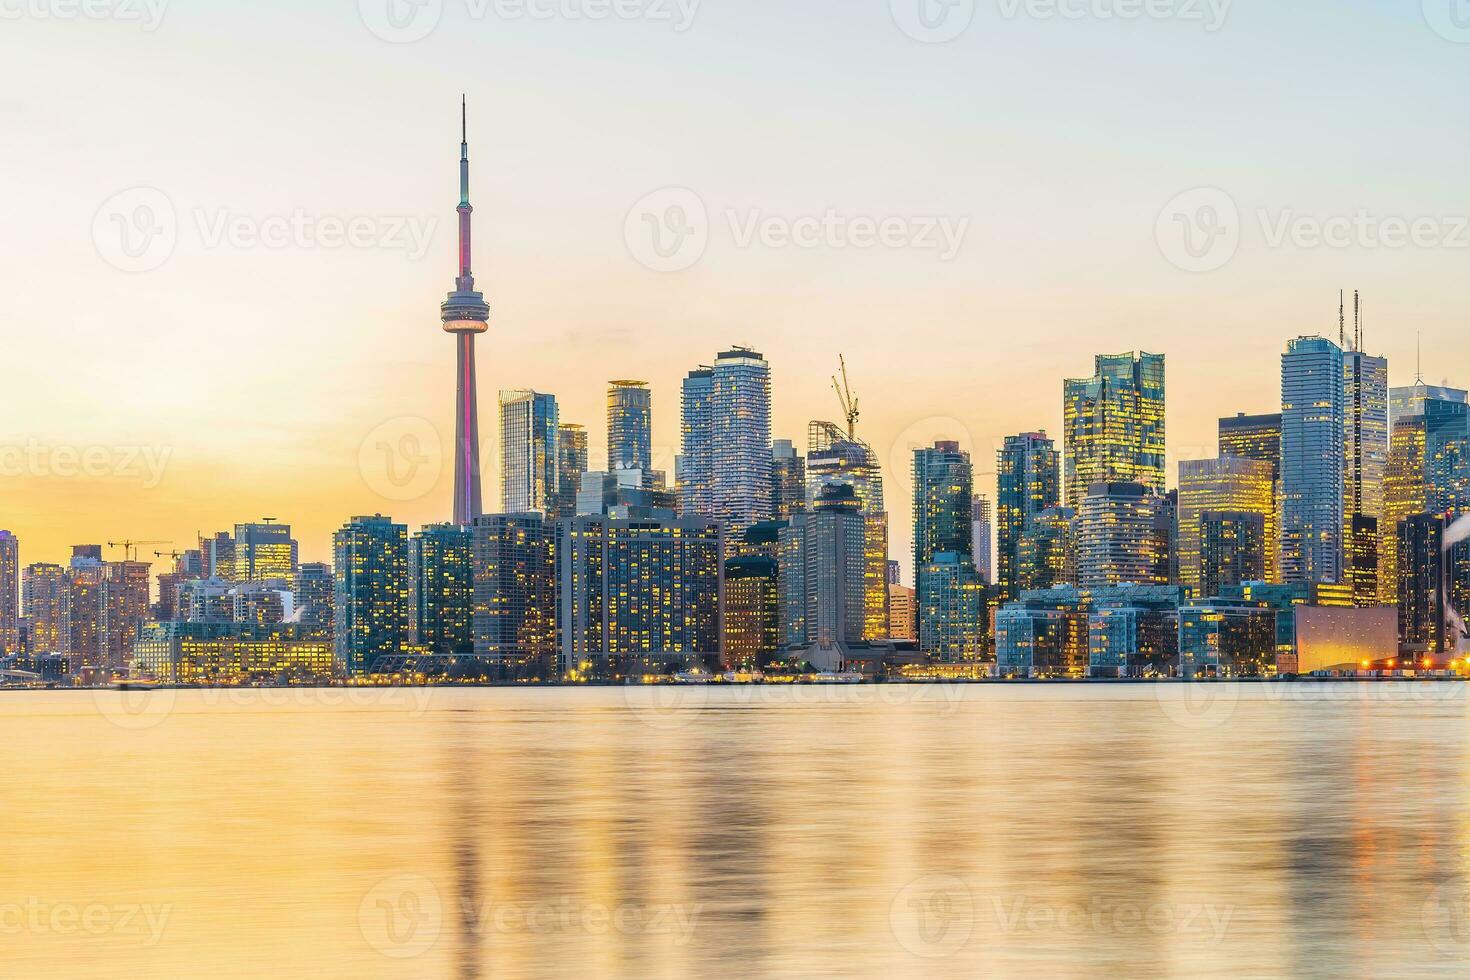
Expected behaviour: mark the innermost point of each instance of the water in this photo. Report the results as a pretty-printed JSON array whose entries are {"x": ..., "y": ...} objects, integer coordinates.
[{"x": 1002, "y": 831}]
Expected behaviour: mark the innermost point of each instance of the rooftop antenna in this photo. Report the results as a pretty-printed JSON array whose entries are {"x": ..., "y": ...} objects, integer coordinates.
[
  {"x": 1341, "y": 318},
  {"x": 1357, "y": 321},
  {"x": 849, "y": 403},
  {"x": 1419, "y": 358}
]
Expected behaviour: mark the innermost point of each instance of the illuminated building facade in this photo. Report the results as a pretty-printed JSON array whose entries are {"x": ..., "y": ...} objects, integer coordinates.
[
  {"x": 1047, "y": 555},
  {"x": 85, "y": 573},
  {"x": 1114, "y": 423},
  {"x": 1429, "y": 463},
  {"x": 441, "y": 568},
  {"x": 753, "y": 598},
  {"x": 124, "y": 605},
  {"x": 264, "y": 551},
  {"x": 629, "y": 426},
  {"x": 1232, "y": 484},
  {"x": 823, "y": 586},
  {"x": 232, "y": 653},
  {"x": 1133, "y": 631},
  {"x": 903, "y": 610},
  {"x": 529, "y": 472},
  {"x": 371, "y": 601},
  {"x": 46, "y": 602},
  {"x": 943, "y": 491},
  {"x": 515, "y": 596},
  {"x": 1313, "y": 483},
  {"x": 1434, "y": 587},
  {"x": 788, "y": 480},
  {"x": 695, "y": 469},
  {"x": 571, "y": 464},
  {"x": 982, "y": 538},
  {"x": 1043, "y": 634},
  {"x": 1028, "y": 483},
  {"x": 262, "y": 603},
  {"x": 1122, "y": 537},
  {"x": 837, "y": 458},
  {"x": 1232, "y": 550},
  {"x": 217, "y": 556},
  {"x": 1365, "y": 466},
  {"x": 635, "y": 595},
  {"x": 1227, "y": 638},
  {"x": 314, "y": 596},
  {"x": 9, "y": 594},
  {"x": 954, "y": 619}
]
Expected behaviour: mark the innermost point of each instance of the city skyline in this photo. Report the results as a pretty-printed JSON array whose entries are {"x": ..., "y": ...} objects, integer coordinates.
[{"x": 1053, "y": 269}]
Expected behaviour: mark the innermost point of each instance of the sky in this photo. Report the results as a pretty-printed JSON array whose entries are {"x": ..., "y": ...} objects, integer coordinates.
[{"x": 228, "y": 226}]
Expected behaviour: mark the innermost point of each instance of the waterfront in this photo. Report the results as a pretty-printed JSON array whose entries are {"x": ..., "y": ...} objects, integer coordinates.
[{"x": 884, "y": 830}]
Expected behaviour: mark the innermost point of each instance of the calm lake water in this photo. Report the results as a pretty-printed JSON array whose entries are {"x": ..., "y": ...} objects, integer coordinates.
[{"x": 998, "y": 831}]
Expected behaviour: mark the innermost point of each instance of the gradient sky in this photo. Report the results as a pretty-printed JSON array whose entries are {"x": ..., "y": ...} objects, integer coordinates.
[{"x": 260, "y": 372}]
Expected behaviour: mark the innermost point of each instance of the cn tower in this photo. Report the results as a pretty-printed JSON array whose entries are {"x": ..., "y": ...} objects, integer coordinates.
[{"x": 465, "y": 314}]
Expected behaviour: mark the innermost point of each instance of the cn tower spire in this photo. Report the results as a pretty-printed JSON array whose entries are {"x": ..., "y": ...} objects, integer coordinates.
[{"x": 465, "y": 314}]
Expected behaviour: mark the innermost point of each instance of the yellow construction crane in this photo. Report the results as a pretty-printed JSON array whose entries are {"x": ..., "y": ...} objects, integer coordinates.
[
  {"x": 848, "y": 400},
  {"x": 130, "y": 547}
]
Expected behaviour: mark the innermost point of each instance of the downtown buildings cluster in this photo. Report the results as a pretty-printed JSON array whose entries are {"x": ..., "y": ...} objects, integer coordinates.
[{"x": 1325, "y": 536}]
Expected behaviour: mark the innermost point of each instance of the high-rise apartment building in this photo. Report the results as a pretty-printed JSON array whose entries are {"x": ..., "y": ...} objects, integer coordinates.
[
  {"x": 982, "y": 521},
  {"x": 903, "y": 613},
  {"x": 1115, "y": 425},
  {"x": 124, "y": 605},
  {"x": 788, "y": 480},
  {"x": 85, "y": 574},
  {"x": 954, "y": 622},
  {"x": 1028, "y": 482},
  {"x": 838, "y": 458},
  {"x": 571, "y": 464},
  {"x": 823, "y": 589},
  {"x": 726, "y": 457},
  {"x": 1122, "y": 537},
  {"x": 314, "y": 596},
  {"x": 943, "y": 494},
  {"x": 9, "y": 594},
  {"x": 441, "y": 570},
  {"x": 515, "y": 596},
  {"x": 637, "y": 595},
  {"x": 264, "y": 551},
  {"x": 1313, "y": 460},
  {"x": 1434, "y": 589},
  {"x": 1047, "y": 554},
  {"x": 1232, "y": 484},
  {"x": 1428, "y": 468},
  {"x": 1232, "y": 550},
  {"x": 46, "y": 602},
  {"x": 371, "y": 601},
  {"x": 694, "y": 471},
  {"x": 528, "y": 452},
  {"x": 629, "y": 426},
  {"x": 753, "y": 598}
]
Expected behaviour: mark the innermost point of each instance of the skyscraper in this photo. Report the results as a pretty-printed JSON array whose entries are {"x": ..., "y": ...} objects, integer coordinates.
[
  {"x": 1313, "y": 483},
  {"x": 441, "y": 570},
  {"x": 370, "y": 559},
  {"x": 838, "y": 458},
  {"x": 1047, "y": 554},
  {"x": 1366, "y": 445},
  {"x": 314, "y": 597},
  {"x": 571, "y": 463},
  {"x": 1434, "y": 588},
  {"x": 1028, "y": 482},
  {"x": 753, "y": 598},
  {"x": 46, "y": 601},
  {"x": 1428, "y": 467},
  {"x": 124, "y": 605},
  {"x": 1253, "y": 437},
  {"x": 84, "y": 603},
  {"x": 943, "y": 492},
  {"x": 1231, "y": 484},
  {"x": 528, "y": 452},
  {"x": 264, "y": 551},
  {"x": 465, "y": 314},
  {"x": 823, "y": 590},
  {"x": 629, "y": 426},
  {"x": 953, "y": 618},
  {"x": 981, "y": 522},
  {"x": 1232, "y": 550},
  {"x": 695, "y": 467},
  {"x": 1115, "y": 425},
  {"x": 727, "y": 441},
  {"x": 788, "y": 480},
  {"x": 1120, "y": 537},
  {"x": 515, "y": 596},
  {"x": 9, "y": 594}
]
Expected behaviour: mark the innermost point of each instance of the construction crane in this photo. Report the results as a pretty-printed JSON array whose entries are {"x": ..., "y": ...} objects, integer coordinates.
[
  {"x": 848, "y": 400},
  {"x": 130, "y": 547}
]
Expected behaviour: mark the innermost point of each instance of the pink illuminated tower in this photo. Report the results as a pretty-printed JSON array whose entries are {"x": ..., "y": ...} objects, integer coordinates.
[{"x": 465, "y": 314}]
